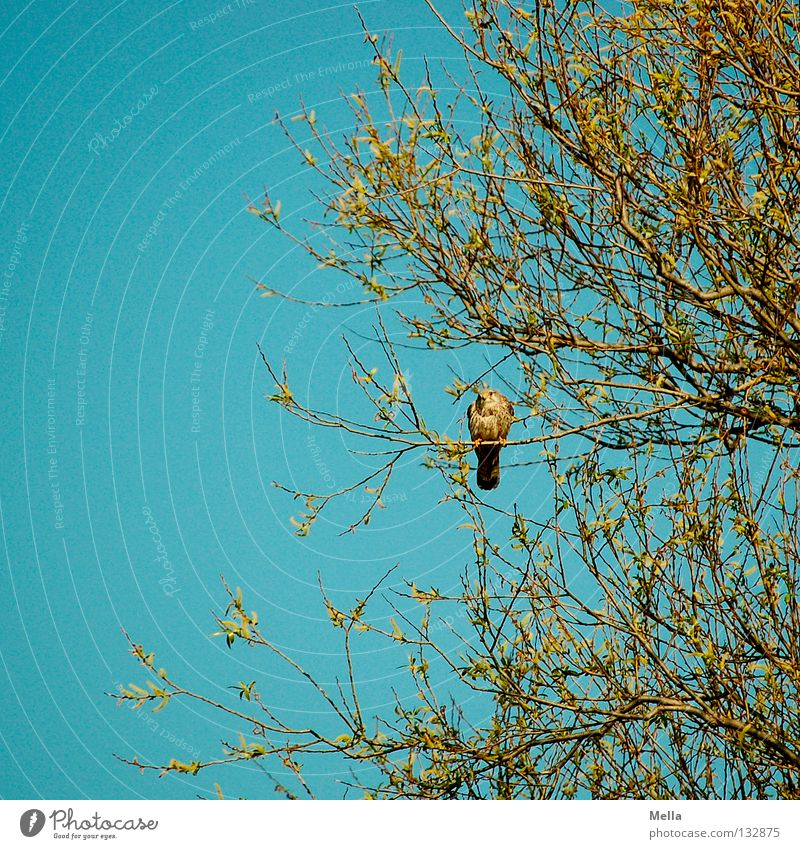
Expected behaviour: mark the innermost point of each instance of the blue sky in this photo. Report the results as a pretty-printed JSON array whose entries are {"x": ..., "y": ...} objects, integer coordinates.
[{"x": 138, "y": 449}]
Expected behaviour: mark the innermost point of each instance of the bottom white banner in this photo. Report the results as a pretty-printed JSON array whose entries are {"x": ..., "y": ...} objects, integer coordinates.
[{"x": 619, "y": 824}]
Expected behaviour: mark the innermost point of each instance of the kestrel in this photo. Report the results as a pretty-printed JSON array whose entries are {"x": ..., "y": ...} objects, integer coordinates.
[{"x": 490, "y": 416}]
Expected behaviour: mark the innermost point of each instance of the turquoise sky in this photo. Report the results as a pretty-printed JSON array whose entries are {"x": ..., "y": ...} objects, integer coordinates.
[{"x": 138, "y": 451}]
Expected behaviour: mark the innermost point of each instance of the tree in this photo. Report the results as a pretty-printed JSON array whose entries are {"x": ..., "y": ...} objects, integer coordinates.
[{"x": 623, "y": 230}]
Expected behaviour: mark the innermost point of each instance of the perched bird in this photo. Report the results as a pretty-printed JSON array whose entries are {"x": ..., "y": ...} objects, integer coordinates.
[{"x": 490, "y": 416}]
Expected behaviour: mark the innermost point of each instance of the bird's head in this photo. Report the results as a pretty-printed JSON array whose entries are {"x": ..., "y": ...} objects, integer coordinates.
[{"x": 486, "y": 396}]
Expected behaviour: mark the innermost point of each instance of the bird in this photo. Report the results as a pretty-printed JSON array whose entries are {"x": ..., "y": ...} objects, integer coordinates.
[{"x": 489, "y": 417}]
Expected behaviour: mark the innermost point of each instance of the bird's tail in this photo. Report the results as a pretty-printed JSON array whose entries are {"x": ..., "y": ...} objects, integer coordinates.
[{"x": 488, "y": 466}]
